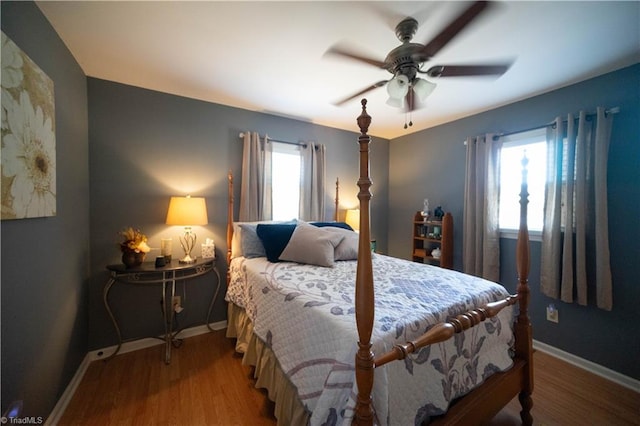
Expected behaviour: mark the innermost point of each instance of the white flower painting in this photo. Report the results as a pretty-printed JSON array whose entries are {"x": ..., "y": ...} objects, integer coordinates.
[{"x": 28, "y": 149}]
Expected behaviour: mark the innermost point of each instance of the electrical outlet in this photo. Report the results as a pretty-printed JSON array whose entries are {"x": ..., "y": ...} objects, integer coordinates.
[
  {"x": 552, "y": 313},
  {"x": 177, "y": 304}
]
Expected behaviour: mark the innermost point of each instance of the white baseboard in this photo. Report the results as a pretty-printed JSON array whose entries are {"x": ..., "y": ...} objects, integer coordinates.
[
  {"x": 148, "y": 342},
  {"x": 98, "y": 354},
  {"x": 592, "y": 367},
  {"x": 68, "y": 393}
]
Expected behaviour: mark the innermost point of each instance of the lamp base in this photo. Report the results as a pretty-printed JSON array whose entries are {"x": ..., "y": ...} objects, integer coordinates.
[
  {"x": 188, "y": 241},
  {"x": 188, "y": 259}
]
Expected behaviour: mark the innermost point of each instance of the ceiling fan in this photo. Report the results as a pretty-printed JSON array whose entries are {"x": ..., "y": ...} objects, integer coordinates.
[{"x": 406, "y": 61}]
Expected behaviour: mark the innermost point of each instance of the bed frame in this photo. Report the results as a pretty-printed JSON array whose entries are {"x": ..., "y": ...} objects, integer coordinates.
[{"x": 484, "y": 402}]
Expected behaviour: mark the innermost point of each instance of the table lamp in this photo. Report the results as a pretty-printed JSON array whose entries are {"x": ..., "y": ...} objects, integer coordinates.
[
  {"x": 187, "y": 211},
  {"x": 353, "y": 219}
]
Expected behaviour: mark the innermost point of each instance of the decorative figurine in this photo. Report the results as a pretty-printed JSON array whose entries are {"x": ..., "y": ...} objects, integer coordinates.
[
  {"x": 436, "y": 253},
  {"x": 438, "y": 213},
  {"x": 425, "y": 209}
]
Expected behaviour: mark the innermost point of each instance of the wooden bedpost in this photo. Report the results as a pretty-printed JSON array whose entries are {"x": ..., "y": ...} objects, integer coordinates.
[
  {"x": 364, "y": 298},
  {"x": 229, "y": 225},
  {"x": 524, "y": 346}
]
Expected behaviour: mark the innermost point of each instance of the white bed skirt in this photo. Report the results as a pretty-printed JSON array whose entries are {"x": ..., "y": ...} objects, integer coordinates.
[{"x": 288, "y": 409}]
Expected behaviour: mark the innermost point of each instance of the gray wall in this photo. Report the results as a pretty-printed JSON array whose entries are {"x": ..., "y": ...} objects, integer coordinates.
[
  {"x": 45, "y": 260},
  {"x": 146, "y": 146},
  {"x": 431, "y": 163}
]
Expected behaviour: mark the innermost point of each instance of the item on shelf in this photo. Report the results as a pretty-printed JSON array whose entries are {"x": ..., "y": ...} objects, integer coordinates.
[
  {"x": 438, "y": 213},
  {"x": 420, "y": 252},
  {"x": 436, "y": 253},
  {"x": 425, "y": 209}
]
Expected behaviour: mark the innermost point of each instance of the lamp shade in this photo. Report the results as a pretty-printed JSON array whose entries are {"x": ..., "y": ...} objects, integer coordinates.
[
  {"x": 398, "y": 87},
  {"x": 187, "y": 211},
  {"x": 396, "y": 103},
  {"x": 423, "y": 88},
  {"x": 353, "y": 219}
]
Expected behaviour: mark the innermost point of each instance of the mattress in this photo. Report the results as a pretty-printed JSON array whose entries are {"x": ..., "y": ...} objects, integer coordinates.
[{"x": 305, "y": 315}]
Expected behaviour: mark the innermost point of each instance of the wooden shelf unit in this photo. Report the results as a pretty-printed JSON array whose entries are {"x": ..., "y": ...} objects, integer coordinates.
[{"x": 426, "y": 238}]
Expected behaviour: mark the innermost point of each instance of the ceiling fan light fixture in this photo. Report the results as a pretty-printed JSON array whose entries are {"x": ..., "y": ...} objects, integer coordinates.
[
  {"x": 398, "y": 87},
  {"x": 396, "y": 103},
  {"x": 423, "y": 88}
]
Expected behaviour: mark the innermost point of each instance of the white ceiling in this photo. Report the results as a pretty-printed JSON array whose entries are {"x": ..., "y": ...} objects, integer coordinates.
[{"x": 268, "y": 56}]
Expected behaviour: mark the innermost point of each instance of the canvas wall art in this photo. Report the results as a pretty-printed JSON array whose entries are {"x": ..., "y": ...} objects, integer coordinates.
[{"x": 28, "y": 147}]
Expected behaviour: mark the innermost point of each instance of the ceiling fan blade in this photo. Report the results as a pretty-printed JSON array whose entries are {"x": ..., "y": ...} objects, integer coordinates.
[
  {"x": 363, "y": 91},
  {"x": 467, "y": 70},
  {"x": 341, "y": 51},
  {"x": 447, "y": 34}
]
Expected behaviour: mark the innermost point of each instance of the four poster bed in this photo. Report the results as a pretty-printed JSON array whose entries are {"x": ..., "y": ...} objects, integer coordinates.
[{"x": 301, "y": 306}]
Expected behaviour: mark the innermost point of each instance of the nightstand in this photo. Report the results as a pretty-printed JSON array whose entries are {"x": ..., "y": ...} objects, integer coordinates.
[{"x": 164, "y": 277}]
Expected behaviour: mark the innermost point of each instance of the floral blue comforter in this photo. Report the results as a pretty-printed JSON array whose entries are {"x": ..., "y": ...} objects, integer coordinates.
[{"x": 306, "y": 315}]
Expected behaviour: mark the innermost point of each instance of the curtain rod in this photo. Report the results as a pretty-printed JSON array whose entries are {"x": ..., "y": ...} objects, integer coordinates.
[
  {"x": 613, "y": 110},
  {"x": 302, "y": 144}
]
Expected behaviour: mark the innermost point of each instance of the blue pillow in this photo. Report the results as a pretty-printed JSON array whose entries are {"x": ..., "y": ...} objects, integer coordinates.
[
  {"x": 275, "y": 238},
  {"x": 342, "y": 225}
]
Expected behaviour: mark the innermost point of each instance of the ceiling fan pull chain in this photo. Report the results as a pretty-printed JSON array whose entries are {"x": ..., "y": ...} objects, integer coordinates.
[{"x": 407, "y": 114}]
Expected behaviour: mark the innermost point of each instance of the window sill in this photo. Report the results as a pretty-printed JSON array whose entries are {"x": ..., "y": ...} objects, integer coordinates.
[{"x": 512, "y": 234}]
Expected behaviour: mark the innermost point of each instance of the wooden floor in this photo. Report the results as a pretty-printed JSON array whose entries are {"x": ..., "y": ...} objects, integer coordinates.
[{"x": 207, "y": 385}]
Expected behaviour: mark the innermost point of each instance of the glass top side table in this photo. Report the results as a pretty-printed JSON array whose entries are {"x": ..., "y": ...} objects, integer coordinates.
[{"x": 166, "y": 277}]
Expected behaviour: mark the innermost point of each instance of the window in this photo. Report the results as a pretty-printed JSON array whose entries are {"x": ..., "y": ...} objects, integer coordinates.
[
  {"x": 532, "y": 144},
  {"x": 285, "y": 181}
]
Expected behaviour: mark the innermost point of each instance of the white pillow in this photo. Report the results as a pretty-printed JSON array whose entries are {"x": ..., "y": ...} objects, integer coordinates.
[
  {"x": 311, "y": 245},
  {"x": 348, "y": 247},
  {"x": 236, "y": 245}
]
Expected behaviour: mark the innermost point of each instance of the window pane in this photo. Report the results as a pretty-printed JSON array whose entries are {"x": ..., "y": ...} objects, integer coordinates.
[
  {"x": 510, "y": 179},
  {"x": 285, "y": 185}
]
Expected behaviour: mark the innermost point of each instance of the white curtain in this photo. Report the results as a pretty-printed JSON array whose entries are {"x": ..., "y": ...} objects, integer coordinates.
[
  {"x": 481, "y": 237},
  {"x": 255, "y": 192},
  {"x": 575, "y": 234},
  {"x": 256, "y": 188},
  {"x": 312, "y": 182}
]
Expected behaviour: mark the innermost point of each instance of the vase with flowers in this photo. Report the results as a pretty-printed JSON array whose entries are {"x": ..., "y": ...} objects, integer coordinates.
[{"x": 134, "y": 247}]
